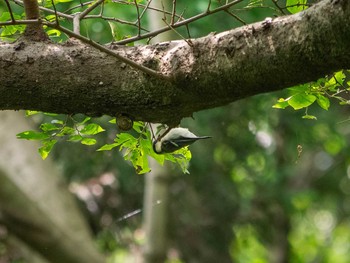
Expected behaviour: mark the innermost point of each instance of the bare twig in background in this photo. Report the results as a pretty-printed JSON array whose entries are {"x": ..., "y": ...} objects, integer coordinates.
[
  {"x": 278, "y": 7},
  {"x": 108, "y": 51},
  {"x": 209, "y": 5},
  {"x": 178, "y": 24},
  {"x": 90, "y": 8},
  {"x": 10, "y": 10},
  {"x": 143, "y": 33},
  {"x": 173, "y": 13},
  {"x": 138, "y": 18},
  {"x": 55, "y": 11},
  {"x": 235, "y": 17}
]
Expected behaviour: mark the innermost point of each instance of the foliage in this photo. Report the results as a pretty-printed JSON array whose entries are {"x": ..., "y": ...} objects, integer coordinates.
[
  {"x": 136, "y": 147},
  {"x": 303, "y": 96}
]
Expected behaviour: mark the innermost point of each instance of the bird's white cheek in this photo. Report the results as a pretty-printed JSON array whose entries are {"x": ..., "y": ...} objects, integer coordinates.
[{"x": 158, "y": 147}]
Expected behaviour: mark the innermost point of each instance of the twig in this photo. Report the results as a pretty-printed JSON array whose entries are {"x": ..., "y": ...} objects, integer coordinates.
[
  {"x": 10, "y": 10},
  {"x": 173, "y": 13},
  {"x": 188, "y": 41},
  {"x": 208, "y": 8},
  {"x": 78, "y": 6},
  {"x": 278, "y": 7},
  {"x": 90, "y": 8},
  {"x": 145, "y": 6},
  {"x": 76, "y": 24},
  {"x": 113, "y": 19},
  {"x": 236, "y": 17},
  {"x": 21, "y": 22},
  {"x": 54, "y": 8},
  {"x": 178, "y": 24},
  {"x": 102, "y": 48},
  {"x": 138, "y": 18}
]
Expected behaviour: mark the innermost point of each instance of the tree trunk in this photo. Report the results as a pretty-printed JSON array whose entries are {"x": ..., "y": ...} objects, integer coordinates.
[{"x": 35, "y": 203}]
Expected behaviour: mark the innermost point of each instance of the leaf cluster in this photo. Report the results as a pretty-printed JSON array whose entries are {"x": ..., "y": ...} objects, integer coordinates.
[
  {"x": 321, "y": 91},
  {"x": 136, "y": 146}
]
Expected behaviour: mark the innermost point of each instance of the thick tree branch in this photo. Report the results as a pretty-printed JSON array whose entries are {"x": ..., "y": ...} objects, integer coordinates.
[{"x": 216, "y": 70}]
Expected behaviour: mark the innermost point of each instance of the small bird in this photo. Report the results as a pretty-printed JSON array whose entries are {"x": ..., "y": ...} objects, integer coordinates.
[{"x": 174, "y": 140}]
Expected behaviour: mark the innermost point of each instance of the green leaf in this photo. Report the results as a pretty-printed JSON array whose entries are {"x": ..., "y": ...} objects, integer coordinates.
[
  {"x": 88, "y": 141},
  {"x": 85, "y": 120},
  {"x": 138, "y": 126},
  {"x": 301, "y": 100},
  {"x": 126, "y": 140},
  {"x": 281, "y": 104},
  {"x": 295, "y": 6},
  {"x": 323, "y": 101},
  {"x": 51, "y": 115},
  {"x": 31, "y": 112},
  {"x": 339, "y": 76},
  {"x": 108, "y": 147},
  {"x": 66, "y": 131},
  {"x": 75, "y": 138},
  {"x": 92, "y": 129},
  {"x": 46, "y": 148},
  {"x": 32, "y": 135},
  {"x": 53, "y": 32},
  {"x": 114, "y": 121},
  {"x": 309, "y": 117},
  {"x": 56, "y": 121},
  {"x": 48, "y": 127}
]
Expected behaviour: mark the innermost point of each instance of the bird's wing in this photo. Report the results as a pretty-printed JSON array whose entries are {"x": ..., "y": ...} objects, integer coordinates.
[{"x": 172, "y": 145}]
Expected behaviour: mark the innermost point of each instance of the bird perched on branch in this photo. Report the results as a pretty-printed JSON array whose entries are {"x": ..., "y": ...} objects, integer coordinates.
[{"x": 174, "y": 139}]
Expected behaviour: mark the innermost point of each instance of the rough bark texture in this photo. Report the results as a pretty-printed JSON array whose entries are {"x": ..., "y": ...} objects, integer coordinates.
[{"x": 216, "y": 70}]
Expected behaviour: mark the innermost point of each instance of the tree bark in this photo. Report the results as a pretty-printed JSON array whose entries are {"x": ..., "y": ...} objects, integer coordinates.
[{"x": 215, "y": 70}]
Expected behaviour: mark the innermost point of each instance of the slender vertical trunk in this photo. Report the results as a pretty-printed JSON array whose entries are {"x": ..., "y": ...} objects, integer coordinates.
[
  {"x": 33, "y": 32},
  {"x": 157, "y": 188}
]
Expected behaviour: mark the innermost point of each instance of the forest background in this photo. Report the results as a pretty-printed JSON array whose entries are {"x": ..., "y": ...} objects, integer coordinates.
[{"x": 270, "y": 186}]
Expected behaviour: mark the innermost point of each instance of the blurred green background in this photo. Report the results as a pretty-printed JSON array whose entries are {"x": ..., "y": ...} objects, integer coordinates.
[{"x": 268, "y": 187}]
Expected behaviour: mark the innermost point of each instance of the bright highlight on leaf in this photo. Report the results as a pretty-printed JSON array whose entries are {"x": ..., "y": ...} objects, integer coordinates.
[
  {"x": 296, "y": 6},
  {"x": 92, "y": 129},
  {"x": 46, "y": 148},
  {"x": 301, "y": 100}
]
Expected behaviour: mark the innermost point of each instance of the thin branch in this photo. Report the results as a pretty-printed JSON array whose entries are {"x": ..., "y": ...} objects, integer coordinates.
[
  {"x": 54, "y": 8},
  {"x": 81, "y": 5},
  {"x": 90, "y": 8},
  {"x": 209, "y": 5},
  {"x": 178, "y": 24},
  {"x": 173, "y": 13},
  {"x": 188, "y": 41},
  {"x": 113, "y": 19},
  {"x": 235, "y": 17},
  {"x": 144, "y": 6},
  {"x": 278, "y": 7},
  {"x": 10, "y": 10},
  {"x": 138, "y": 18},
  {"x": 21, "y": 22},
  {"x": 60, "y": 14},
  {"x": 76, "y": 24},
  {"x": 102, "y": 48}
]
